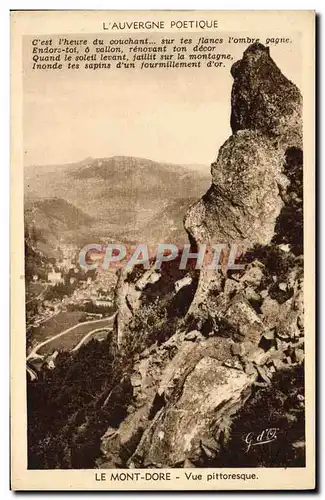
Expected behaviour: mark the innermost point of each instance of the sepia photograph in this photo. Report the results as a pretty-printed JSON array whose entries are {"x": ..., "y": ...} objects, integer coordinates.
[{"x": 164, "y": 247}]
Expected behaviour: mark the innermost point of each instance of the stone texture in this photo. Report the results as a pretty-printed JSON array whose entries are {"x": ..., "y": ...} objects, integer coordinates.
[
  {"x": 211, "y": 392},
  {"x": 264, "y": 99},
  {"x": 118, "y": 444},
  {"x": 270, "y": 312},
  {"x": 187, "y": 389},
  {"x": 242, "y": 317},
  {"x": 243, "y": 202}
]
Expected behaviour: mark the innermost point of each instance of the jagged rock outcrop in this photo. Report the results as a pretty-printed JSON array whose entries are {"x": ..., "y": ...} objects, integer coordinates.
[
  {"x": 254, "y": 198},
  {"x": 289, "y": 225},
  {"x": 182, "y": 429},
  {"x": 246, "y": 332},
  {"x": 203, "y": 341},
  {"x": 243, "y": 202},
  {"x": 248, "y": 183},
  {"x": 151, "y": 304},
  {"x": 263, "y": 99}
]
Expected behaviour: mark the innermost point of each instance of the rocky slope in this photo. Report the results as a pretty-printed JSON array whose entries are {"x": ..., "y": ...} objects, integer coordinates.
[
  {"x": 51, "y": 221},
  {"x": 202, "y": 344}
]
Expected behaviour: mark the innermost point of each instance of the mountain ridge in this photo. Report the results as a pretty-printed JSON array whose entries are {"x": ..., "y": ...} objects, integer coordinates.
[
  {"x": 190, "y": 167},
  {"x": 122, "y": 198}
]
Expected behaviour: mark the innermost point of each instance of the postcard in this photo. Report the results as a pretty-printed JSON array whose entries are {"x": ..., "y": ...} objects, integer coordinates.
[{"x": 162, "y": 250}]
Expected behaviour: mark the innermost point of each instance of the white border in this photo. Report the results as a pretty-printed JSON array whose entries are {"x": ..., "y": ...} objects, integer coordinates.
[{"x": 4, "y": 185}]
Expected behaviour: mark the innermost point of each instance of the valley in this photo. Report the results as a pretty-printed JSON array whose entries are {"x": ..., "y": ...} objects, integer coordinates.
[{"x": 103, "y": 200}]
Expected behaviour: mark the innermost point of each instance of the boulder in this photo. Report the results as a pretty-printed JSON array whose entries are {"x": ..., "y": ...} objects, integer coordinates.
[
  {"x": 118, "y": 444},
  {"x": 253, "y": 274},
  {"x": 243, "y": 203},
  {"x": 243, "y": 318},
  {"x": 211, "y": 394},
  {"x": 270, "y": 312}
]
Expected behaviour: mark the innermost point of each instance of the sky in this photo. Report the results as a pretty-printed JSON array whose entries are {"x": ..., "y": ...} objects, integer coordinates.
[{"x": 177, "y": 115}]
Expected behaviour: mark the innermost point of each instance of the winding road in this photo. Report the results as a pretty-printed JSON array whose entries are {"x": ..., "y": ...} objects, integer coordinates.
[
  {"x": 31, "y": 373},
  {"x": 86, "y": 337},
  {"x": 34, "y": 354}
]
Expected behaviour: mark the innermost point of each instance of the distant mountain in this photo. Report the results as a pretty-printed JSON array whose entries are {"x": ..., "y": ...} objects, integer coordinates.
[
  {"x": 122, "y": 198},
  {"x": 167, "y": 225},
  {"x": 60, "y": 211},
  {"x": 138, "y": 176},
  {"x": 49, "y": 221}
]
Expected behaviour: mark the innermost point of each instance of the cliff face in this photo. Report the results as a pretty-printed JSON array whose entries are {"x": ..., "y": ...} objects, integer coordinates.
[
  {"x": 244, "y": 201},
  {"x": 264, "y": 99},
  {"x": 202, "y": 342}
]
